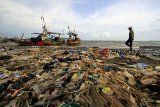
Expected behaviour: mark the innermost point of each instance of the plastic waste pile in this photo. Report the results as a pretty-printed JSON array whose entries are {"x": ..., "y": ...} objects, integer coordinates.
[{"x": 77, "y": 77}]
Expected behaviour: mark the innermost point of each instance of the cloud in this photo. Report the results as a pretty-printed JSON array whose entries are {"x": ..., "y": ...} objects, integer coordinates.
[
  {"x": 107, "y": 22},
  {"x": 17, "y": 17},
  {"x": 20, "y": 16},
  {"x": 117, "y": 17},
  {"x": 107, "y": 34}
]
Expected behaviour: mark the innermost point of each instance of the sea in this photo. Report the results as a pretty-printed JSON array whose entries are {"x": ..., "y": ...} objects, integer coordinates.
[{"x": 118, "y": 44}]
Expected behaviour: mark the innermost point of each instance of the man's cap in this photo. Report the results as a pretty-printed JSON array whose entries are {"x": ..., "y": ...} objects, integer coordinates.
[{"x": 130, "y": 27}]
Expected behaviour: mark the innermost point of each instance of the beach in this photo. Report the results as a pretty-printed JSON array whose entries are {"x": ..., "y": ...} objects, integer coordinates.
[
  {"x": 79, "y": 53},
  {"x": 52, "y": 76}
]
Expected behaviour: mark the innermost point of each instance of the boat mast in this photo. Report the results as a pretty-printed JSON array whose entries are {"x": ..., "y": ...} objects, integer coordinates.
[{"x": 45, "y": 31}]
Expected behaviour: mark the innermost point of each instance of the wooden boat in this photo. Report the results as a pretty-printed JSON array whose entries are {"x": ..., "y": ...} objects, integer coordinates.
[
  {"x": 25, "y": 43},
  {"x": 73, "y": 39},
  {"x": 49, "y": 38},
  {"x": 44, "y": 38},
  {"x": 44, "y": 43},
  {"x": 73, "y": 42}
]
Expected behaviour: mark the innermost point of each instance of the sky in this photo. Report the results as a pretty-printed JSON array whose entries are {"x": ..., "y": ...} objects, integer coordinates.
[{"x": 91, "y": 19}]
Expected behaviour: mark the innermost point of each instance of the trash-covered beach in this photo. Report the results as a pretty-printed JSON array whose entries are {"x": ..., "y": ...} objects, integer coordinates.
[{"x": 77, "y": 77}]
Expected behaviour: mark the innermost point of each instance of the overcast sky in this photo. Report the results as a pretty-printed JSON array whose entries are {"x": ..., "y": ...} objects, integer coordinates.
[{"x": 92, "y": 19}]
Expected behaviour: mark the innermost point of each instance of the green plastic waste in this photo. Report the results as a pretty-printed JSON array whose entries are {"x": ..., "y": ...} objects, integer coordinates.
[{"x": 71, "y": 104}]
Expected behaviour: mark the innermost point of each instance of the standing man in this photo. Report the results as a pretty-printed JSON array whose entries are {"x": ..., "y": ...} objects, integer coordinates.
[{"x": 131, "y": 38}]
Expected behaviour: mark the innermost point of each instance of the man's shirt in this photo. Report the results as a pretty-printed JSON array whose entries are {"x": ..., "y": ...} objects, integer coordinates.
[{"x": 131, "y": 35}]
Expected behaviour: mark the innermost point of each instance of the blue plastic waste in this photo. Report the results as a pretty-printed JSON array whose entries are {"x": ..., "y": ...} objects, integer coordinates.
[
  {"x": 17, "y": 75},
  {"x": 71, "y": 51},
  {"x": 141, "y": 65},
  {"x": 121, "y": 54},
  {"x": 78, "y": 51},
  {"x": 2, "y": 76}
]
